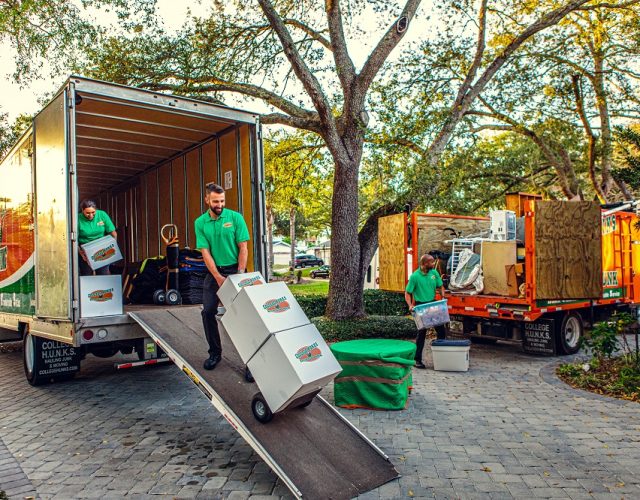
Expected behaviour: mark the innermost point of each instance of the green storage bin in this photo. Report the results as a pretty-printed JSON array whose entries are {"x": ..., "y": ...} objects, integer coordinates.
[{"x": 376, "y": 373}]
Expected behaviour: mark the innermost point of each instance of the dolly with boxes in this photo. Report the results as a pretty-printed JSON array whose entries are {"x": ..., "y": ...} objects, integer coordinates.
[{"x": 284, "y": 351}]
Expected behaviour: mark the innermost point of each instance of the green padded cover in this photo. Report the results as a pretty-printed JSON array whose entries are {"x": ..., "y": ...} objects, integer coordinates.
[{"x": 376, "y": 373}]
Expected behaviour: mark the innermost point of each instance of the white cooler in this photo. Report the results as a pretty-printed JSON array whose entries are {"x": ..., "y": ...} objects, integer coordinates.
[
  {"x": 450, "y": 355},
  {"x": 236, "y": 282},
  {"x": 292, "y": 364},
  {"x": 100, "y": 296},
  {"x": 259, "y": 311},
  {"x": 102, "y": 252}
]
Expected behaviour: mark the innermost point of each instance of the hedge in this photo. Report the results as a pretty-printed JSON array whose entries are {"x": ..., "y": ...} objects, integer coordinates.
[
  {"x": 378, "y": 327},
  {"x": 376, "y": 303}
]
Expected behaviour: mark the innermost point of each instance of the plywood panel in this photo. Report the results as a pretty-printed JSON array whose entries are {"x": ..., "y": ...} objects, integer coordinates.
[
  {"x": 391, "y": 250},
  {"x": 195, "y": 194},
  {"x": 164, "y": 195},
  {"x": 495, "y": 256},
  {"x": 210, "y": 162},
  {"x": 432, "y": 231},
  {"x": 247, "y": 190},
  {"x": 152, "y": 214},
  {"x": 568, "y": 250},
  {"x": 178, "y": 198},
  {"x": 229, "y": 164},
  {"x": 517, "y": 202}
]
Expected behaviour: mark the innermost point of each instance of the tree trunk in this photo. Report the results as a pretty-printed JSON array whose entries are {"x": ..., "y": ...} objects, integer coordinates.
[
  {"x": 271, "y": 260},
  {"x": 345, "y": 299},
  {"x": 292, "y": 236}
]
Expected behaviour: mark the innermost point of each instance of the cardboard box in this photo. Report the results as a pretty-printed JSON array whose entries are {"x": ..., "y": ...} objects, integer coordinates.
[
  {"x": 512, "y": 280},
  {"x": 102, "y": 252},
  {"x": 291, "y": 364},
  {"x": 100, "y": 296},
  {"x": 236, "y": 282},
  {"x": 258, "y": 312},
  {"x": 495, "y": 256}
]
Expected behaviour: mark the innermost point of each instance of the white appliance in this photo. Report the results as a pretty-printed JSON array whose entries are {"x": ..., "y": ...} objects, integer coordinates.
[
  {"x": 100, "y": 296},
  {"x": 502, "y": 225},
  {"x": 236, "y": 282},
  {"x": 102, "y": 252}
]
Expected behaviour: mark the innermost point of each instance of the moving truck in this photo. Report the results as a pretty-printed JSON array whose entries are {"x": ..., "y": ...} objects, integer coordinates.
[
  {"x": 568, "y": 264},
  {"x": 144, "y": 157}
]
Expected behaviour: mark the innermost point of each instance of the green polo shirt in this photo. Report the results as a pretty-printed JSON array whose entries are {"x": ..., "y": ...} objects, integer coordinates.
[
  {"x": 423, "y": 286},
  {"x": 89, "y": 230},
  {"x": 221, "y": 236}
]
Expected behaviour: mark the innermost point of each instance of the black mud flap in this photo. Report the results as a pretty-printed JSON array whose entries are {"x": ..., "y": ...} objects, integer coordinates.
[
  {"x": 539, "y": 337},
  {"x": 54, "y": 359}
]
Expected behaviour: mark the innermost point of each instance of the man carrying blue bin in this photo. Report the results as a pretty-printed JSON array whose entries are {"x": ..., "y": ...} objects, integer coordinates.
[{"x": 421, "y": 289}]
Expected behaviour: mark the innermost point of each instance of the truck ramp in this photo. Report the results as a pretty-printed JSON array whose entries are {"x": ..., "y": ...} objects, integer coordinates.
[{"x": 315, "y": 451}]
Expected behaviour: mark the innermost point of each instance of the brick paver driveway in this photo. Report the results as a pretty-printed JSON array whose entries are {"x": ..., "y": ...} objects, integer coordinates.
[{"x": 505, "y": 429}]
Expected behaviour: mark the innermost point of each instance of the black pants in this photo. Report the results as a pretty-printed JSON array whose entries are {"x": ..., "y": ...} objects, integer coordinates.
[
  {"x": 85, "y": 269},
  {"x": 441, "y": 332},
  {"x": 210, "y": 309}
]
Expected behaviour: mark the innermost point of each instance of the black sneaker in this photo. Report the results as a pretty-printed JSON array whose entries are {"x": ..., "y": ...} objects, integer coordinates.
[
  {"x": 211, "y": 362},
  {"x": 420, "y": 364}
]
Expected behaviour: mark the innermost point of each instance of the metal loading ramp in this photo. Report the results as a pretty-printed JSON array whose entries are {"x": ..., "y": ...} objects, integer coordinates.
[{"x": 315, "y": 451}]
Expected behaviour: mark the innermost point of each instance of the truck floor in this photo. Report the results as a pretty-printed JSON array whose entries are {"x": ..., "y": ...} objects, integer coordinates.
[{"x": 315, "y": 448}]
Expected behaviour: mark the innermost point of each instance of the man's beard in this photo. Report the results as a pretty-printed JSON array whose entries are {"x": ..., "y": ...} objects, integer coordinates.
[{"x": 217, "y": 210}]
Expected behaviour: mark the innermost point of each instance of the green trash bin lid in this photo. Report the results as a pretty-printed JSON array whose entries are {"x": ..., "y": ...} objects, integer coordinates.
[{"x": 390, "y": 351}]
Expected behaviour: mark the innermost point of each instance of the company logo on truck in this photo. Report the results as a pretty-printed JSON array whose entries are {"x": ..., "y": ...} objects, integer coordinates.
[
  {"x": 308, "y": 353},
  {"x": 104, "y": 253},
  {"x": 254, "y": 280},
  {"x": 276, "y": 305},
  {"x": 610, "y": 279},
  {"x": 101, "y": 295},
  {"x": 609, "y": 224}
]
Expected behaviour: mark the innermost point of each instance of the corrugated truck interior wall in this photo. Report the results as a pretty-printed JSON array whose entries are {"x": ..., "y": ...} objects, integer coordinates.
[{"x": 173, "y": 193}]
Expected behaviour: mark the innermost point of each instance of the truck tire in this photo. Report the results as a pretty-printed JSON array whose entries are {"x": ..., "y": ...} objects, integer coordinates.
[
  {"x": 569, "y": 331},
  {"x": 30, "y": 361}
]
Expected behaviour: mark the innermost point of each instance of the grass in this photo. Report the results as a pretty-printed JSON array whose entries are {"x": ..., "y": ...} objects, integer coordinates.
[{"x": 314, "y": 287}]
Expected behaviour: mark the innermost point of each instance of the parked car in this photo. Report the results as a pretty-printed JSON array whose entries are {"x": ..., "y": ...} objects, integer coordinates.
[
  {"x": 306, "y": 260},
  {"x": 321, "y": 272}
]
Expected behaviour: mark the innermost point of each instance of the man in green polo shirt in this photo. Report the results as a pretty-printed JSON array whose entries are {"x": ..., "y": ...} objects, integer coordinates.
[
  {"x": 221, "y": 236},
  {"x": 421, "y": 289}
]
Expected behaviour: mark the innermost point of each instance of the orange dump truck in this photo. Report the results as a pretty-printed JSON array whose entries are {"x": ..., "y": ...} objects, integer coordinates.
[{"x": 569, "y": 263}]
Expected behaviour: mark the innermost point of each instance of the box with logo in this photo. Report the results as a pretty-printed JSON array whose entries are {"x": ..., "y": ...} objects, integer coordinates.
[
  {"x": 431, "y": 314},
  {"x": 291, "y": 364},
  {"x": 100, "y": 296},
  {"x": 102, "y": 252},
  {"x": 236, "y": 282},
  {"x": 259, "y": 311}
]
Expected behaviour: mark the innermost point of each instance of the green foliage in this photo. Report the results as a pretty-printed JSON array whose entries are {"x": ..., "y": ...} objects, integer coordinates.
[
  {"x": 316, "y": 289},
  {"x": 629, "y": 153},
  {"x": 603, "y": 341},
  {"x": 9, "y": 134},
  {"x": 313, "y": 305},
  {"x": 383, "y": 327},
  {"x": 383, "y": 303}
]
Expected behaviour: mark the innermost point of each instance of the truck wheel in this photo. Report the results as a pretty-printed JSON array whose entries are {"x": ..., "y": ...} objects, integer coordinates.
[
  {"x": 569, "y": 333},
  {"x": 31, "y": 360},
  {"x": 261, "y": 409}
]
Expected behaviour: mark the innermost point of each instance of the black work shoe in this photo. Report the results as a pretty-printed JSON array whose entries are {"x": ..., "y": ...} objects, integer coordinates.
[
  {"x": 420, "y": 364},
  {"x": 211, "y": 362}
]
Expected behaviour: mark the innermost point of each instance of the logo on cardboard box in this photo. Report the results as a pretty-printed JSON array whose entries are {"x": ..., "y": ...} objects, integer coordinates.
[
  {"x": 276, "y": 305},
  {"x": 308, "y": 353},
  {"x": 254, "y": 280},
  {"x": 104, "y": 253},
  {"x": 101, "y": 295}
]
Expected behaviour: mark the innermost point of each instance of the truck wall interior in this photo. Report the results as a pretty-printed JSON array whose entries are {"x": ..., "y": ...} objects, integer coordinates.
[
  {"x": 147, "y": 167},
  {"x": 435, "y": 230}
]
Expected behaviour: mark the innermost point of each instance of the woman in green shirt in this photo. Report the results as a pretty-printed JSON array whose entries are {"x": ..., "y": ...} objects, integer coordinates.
[{"x": 92, "y": 224}]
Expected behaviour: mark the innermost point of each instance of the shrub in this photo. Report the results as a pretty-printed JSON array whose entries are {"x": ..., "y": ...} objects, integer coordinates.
[
  {"x": 376, "y": 303},
  {"x": 385, "y": 327},
  {"x": 383, "y": 303}
]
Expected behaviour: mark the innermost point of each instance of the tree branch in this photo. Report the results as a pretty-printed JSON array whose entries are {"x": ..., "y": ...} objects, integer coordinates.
[{"x": 344, "y": 65}]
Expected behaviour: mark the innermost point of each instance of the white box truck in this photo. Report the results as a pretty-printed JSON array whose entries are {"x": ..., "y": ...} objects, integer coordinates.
[{"x": 144, "y": 157}]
